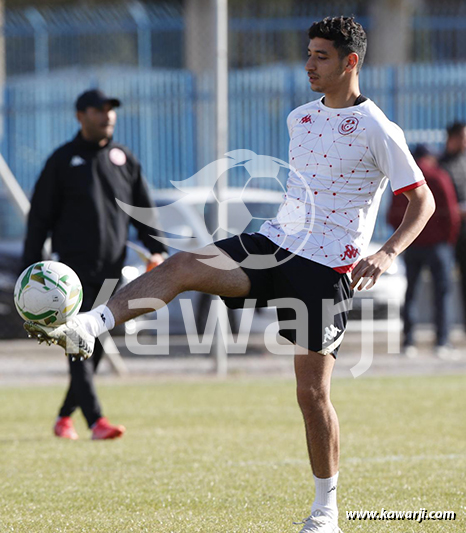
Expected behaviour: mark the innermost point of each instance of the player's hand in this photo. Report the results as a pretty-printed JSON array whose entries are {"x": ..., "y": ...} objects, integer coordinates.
[
  {"x": 155, "y": 260},
  {"x": 369, "y": 269}
]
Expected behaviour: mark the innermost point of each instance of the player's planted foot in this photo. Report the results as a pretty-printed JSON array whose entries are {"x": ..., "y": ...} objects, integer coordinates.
[
  {"x": 64, "y": 428},
  {"x": 102, "y": 429},
  {"x": 410, "y": 351},
  {"x": 446, "y": 352},
  {"x": 72, "y": 337},
  {"x": 319, "y": 523}
]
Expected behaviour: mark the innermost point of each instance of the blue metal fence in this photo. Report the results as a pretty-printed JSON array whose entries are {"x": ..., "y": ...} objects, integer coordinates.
[
  {"x": 41, "y": 40},
  {"x": 153, "y": 35},
  {"x": 136, "y": 52},
  {"x": 167, "y": 116},
  {"x": 157, "y": 120}
]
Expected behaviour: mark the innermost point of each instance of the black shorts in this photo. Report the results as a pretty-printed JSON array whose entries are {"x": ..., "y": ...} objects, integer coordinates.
[{"x": 314, "y": 326}]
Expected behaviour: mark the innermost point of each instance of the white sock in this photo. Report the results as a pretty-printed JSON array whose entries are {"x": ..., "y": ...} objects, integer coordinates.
[
  {"x": 97, "y": 321},
  {"x": 326, "y": 496}
]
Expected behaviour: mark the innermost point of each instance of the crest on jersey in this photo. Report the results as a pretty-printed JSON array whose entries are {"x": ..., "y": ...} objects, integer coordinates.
[
  {"x": 348, "y": 125},
  {"x": 117, "y": 157}
]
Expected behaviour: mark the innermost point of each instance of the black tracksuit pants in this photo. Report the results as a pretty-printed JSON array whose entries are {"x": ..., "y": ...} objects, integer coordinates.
[
  {"x": 461, "y": 259},
  {"x": 81, "y": 392}
]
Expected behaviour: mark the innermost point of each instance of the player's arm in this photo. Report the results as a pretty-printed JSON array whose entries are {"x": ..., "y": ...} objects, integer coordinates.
[
  {"x": 420, "y": 208},
  {"x": 141, "y": 198},
  {"x": 45, "y": 207},
  {"x": 451, "y": 210}
]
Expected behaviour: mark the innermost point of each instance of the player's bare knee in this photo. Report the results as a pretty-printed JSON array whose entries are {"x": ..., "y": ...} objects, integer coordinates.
[
  {"x": 178, "y": 263},
  {"x": 312, "y": 397},
  {"x": 183, "y": 268}
]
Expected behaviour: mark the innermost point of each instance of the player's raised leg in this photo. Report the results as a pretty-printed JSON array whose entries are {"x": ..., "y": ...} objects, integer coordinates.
[
  {"x": 313, "y": 374},
  {"x": 182, "y": 272}
]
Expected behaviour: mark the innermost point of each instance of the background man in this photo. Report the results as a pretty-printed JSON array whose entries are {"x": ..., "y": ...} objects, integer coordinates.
[
  {"x": 434, "y": 248},
  {"x": 345, "y": 148},
  {"x": 74, "y": 200},
  {"x": 454, "y": 162}
]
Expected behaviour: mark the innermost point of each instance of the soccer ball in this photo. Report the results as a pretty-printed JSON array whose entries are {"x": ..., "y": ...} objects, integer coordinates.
[{"x": 48, "y": 293}]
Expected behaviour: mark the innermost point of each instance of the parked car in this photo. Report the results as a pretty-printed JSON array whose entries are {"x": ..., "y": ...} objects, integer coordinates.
[
  {"x": 11, "y": 325},
  {"x": 194, "y": 222},
  {"x": 390, "y": 286}
]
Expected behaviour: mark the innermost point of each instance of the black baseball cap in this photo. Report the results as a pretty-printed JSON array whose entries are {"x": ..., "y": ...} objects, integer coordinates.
[{"x": 95, "y": 98}]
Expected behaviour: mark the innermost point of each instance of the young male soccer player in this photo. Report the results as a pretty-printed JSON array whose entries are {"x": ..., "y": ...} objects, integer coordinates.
[{"x": 346, "y": 149}]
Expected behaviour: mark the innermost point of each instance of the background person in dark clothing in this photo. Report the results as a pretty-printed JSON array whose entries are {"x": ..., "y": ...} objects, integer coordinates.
[
  {"x": 454, "y": 162},
  {"x": 433, "y": 249},
  {"x": 74, "y": 200}
]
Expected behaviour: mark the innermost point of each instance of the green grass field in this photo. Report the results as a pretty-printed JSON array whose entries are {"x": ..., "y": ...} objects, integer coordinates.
[{"x": 230, "y": 457}]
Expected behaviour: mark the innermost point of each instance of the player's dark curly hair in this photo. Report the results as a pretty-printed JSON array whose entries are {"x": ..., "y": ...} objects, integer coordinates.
[{"x": 347, "y": 35}]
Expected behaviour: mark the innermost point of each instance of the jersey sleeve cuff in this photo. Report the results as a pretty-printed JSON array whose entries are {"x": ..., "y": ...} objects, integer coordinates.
[{"x": 409, "y": 187}]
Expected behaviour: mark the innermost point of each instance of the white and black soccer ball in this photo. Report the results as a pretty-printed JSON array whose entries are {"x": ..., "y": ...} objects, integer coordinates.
[{"x": 48, "y": 293}]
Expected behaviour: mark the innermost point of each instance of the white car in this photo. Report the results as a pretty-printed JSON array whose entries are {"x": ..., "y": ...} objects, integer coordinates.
[
  {"x": 192, "y": 224},
  {"x": 387, "y": 294}
]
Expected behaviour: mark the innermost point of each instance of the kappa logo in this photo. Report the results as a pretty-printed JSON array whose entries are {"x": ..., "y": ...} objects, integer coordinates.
[
  {"x": 348, "y": 125},
  {"x": 77, "y": 161},
  {"x": 350, "y": 252},
  {"x": 330, "y": 333},
  {"x": 307, "y": 120}
]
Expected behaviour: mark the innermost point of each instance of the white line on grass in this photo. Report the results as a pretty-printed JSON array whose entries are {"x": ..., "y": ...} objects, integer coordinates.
[
  {"x": 399, "y": 458},
  {"x": 384, "y": 459}
]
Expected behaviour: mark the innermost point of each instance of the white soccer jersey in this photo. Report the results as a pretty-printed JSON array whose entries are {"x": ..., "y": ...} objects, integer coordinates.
[{"x": 343, "y": 158}]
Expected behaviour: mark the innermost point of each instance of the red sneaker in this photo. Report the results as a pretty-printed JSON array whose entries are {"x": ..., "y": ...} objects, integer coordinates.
[
  {"x": 102, "y": 429},
  {"x": 64, "y": 428}
]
